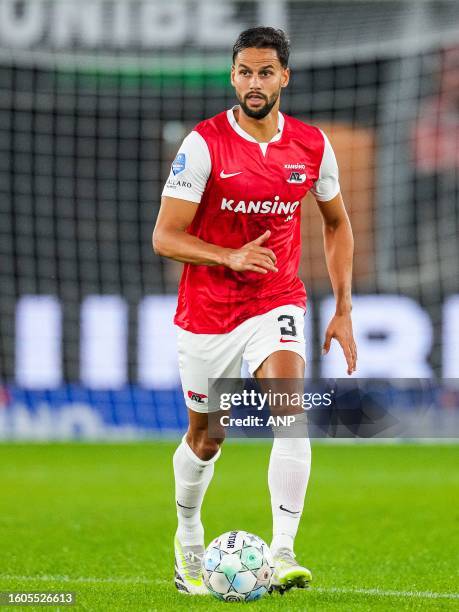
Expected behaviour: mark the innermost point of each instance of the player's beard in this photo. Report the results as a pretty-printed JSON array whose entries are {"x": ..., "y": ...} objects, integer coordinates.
[{"x": 258, "y": 113}]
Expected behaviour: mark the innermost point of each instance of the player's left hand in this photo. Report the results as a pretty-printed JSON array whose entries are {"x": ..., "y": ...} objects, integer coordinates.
[{"x": 340, "y": 328}]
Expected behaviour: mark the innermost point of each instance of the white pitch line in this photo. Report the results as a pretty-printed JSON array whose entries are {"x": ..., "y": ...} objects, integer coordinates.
[
  {"x": 83, "y": 579},
  {"x": 133, "y": 581},
  {"x": 383, "y": 593}
]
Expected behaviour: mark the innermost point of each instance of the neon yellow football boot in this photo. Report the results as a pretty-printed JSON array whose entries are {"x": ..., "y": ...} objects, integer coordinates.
[
  {"x": 288, "y": 573},
  {"x": 188, "y": 573}
]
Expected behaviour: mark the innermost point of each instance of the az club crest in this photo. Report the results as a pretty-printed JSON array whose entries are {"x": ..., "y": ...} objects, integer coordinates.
[{"x": 296, "y": 177}]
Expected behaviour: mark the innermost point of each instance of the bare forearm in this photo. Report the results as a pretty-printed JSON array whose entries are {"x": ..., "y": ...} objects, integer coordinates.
[
  {"x": 181, "y": 246},
  {"x": 339, "y": 249},
  {"x": 170, "y": 239}
]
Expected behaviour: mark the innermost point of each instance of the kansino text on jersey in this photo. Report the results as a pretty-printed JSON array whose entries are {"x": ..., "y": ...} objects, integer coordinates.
[{"x": 267, "y": 206}]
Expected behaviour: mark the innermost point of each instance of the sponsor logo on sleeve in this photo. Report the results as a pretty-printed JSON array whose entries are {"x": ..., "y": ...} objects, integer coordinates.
[
  {"x": 175, "y": 183},
  {"x": 179, "y": 163}
]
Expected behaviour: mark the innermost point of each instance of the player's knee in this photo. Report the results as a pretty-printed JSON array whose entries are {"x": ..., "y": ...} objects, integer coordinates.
[
  {"x": 209, "y": 448},
  {"x": 203, "y": 447}
]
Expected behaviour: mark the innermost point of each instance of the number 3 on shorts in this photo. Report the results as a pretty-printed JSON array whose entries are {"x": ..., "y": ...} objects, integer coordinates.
[{"x": 290, "y": 330}]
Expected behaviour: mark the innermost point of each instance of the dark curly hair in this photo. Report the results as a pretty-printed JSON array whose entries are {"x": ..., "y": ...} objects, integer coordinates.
[{"x": 264, "y": 38}]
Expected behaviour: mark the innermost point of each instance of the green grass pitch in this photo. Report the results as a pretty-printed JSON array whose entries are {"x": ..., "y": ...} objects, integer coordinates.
[{"x": 379, "y": 530}]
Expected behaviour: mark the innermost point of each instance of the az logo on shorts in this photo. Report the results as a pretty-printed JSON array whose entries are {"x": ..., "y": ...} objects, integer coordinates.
[{"x": 197, "y": 397}]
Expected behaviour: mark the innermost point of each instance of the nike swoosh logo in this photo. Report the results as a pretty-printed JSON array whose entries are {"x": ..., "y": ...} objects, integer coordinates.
[
  {"x": 223, "y": 175},
  {"x": 289, "y": 511},
  {"x": 283, "y": 340},
  {"x": 187, "y": 507}
]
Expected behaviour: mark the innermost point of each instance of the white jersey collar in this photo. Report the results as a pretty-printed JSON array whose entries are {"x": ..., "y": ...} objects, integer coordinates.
[{"x": 237, "y": 128}]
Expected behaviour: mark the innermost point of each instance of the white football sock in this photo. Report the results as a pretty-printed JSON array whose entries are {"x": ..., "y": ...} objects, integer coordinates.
[
  {"x": 288, "y": 475},
  {"x": 192, "y": 477}
]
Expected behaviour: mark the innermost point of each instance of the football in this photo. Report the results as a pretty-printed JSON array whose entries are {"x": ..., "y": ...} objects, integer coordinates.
[{"x": 237, "y": 566}]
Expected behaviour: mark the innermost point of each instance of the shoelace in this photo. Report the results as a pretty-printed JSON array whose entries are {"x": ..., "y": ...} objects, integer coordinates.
[
  {"x": 193, "y": 567},
  {"x": 286, "y": 556}
]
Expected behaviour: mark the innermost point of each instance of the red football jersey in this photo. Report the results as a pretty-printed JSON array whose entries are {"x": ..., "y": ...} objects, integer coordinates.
[{"x": 247, "y": 192}]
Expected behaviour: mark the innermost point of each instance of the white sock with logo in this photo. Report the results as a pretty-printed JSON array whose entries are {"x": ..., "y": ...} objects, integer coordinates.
[
  {"x": 192, "y": 477},
  {"x": 288, "y": 475}
]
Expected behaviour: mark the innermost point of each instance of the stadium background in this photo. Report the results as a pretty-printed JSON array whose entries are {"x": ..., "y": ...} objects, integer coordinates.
[{"x": 95, "y": 98}]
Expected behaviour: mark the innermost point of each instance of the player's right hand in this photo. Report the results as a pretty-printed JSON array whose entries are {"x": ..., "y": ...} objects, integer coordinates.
[{"x": 252, "y": 257}]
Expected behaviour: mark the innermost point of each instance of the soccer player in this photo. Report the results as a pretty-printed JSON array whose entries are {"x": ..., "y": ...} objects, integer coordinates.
[{"x": 231, "y": 213}]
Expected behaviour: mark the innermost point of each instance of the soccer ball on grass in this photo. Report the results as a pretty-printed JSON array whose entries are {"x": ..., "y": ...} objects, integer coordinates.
[{"x": 237, "y": 566}]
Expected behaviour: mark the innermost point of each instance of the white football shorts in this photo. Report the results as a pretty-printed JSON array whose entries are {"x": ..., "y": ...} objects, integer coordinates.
[{"x": 204, "y": 356}]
